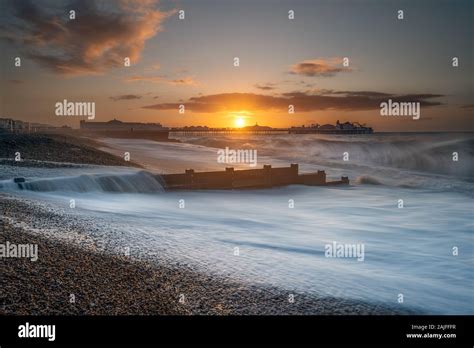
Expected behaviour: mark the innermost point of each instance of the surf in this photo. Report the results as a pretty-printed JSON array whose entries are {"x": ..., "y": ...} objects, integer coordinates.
[{"x": 140, "y": 182}]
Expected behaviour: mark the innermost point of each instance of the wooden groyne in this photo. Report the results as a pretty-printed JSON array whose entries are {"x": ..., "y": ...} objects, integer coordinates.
[{"x": 246, "y": 179}]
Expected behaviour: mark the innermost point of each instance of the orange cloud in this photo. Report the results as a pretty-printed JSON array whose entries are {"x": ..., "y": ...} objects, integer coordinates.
[
  {"x": 303, "y": 102},
  {"x": 155, "y": 79},
  {"x": 97, "y": 40},
  {"x": 186, "y": 81},
  {"x": 319, "y": 67}
]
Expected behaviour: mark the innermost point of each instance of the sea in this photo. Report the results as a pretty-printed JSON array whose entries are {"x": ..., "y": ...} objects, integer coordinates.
[{"x": 409, "y": 205}]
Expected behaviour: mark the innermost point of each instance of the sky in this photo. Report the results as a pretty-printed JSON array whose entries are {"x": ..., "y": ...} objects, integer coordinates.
[{"x": 282, "y": 61}]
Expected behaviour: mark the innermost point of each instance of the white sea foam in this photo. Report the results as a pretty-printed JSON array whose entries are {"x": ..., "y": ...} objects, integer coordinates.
[{"x": 408, "y": 250}]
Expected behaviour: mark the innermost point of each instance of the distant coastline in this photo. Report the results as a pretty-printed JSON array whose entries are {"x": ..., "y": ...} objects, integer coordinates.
[{"x": 156, "y": 131}]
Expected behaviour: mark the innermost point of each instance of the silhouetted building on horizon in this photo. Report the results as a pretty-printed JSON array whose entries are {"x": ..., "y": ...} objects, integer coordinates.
[
  {"x": 127, "y": 130},
  {"x": 17, "y": 126},
  {"x": 339, "y": 128},
  {"x": 256, "y": 127},
  {"x": 119, "y": 125}
]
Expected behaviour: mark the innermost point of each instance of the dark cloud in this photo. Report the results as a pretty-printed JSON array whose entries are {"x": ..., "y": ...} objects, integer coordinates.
[
  {"x": 126, "y": 97},
  {"x": 266, "y": 86},
  {"x": 358, "y": 93},
  {"x": 303, "y": 101},
  {"x": 319, "y": 67},
  {"x": 185, "y": 81},
  {"x": 98, "y": 39}
]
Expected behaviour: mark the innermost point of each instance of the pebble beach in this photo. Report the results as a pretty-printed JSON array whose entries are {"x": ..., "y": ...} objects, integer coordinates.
[
  {"x": 105, "y": 284},
  {"x": 74, "y": 277}
]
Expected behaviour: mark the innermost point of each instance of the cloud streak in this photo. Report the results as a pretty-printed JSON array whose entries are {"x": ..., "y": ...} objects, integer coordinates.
[
  {"x": 266, "y": 86},
  {"x": 185, "y": 81},
  {"x": 126, "y": 97},
  {"x": 303, "y": 102},
  {"x": 324, "y": 67}
]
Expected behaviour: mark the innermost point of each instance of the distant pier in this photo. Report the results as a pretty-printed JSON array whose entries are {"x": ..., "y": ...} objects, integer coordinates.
[
  {"x": 273, "y": 131},
  {"x": 339, "y": 128},
  {"x": 216, "y": 131}
]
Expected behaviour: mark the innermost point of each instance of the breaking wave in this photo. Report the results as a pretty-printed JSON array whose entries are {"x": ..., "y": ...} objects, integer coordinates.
[
  {"x": 368, "y": 180},
  {"x": 419, "y": 152},
  {"x": 140, "y": 182}
]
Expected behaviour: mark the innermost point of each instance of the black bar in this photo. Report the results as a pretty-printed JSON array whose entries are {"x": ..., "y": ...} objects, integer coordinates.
[{"x": 288, "y": 330}]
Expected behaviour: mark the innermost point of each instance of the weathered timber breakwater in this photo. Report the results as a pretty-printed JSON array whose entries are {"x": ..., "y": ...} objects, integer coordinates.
[
  {"x": 247, "y": 179},
  {"x": 229, "y": 179}
]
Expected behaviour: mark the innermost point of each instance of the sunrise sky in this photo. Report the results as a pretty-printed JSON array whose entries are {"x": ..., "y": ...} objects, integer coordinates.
[{"x": 282, "y": 61}]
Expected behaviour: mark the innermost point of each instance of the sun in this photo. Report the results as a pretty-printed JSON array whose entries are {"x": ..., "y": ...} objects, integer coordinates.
[{"x": 239, "y": 122}]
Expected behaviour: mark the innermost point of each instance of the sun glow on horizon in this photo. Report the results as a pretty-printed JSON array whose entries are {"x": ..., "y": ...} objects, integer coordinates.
[{"x": 239, "y": 122}]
